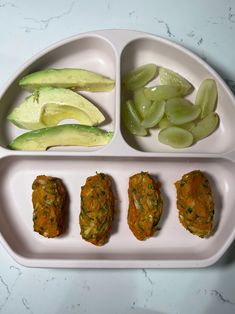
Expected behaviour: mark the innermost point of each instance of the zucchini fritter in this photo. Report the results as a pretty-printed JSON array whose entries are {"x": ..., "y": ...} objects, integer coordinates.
[
  {"x": 97, "y": 209},
  {"x": 145, "y": 205},
  {"x": 195, "y": 203},
  {"x": 49, "y": 196}
]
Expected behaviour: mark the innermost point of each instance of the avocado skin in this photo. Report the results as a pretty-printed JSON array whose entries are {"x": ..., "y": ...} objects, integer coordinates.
[
  {"x": 73, "y": 78},
  {"x": 61, "y": 135}
]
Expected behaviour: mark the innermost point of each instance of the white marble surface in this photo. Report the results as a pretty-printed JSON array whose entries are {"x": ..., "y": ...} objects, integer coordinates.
[{"x": 205, "y": 27}]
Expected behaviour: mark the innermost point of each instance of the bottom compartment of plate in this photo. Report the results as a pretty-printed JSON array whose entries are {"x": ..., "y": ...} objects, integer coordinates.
[{"x": 172, "y": 246}]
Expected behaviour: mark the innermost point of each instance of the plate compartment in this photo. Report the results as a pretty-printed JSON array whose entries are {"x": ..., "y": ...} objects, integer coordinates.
[{"x": 172, "y": 245}]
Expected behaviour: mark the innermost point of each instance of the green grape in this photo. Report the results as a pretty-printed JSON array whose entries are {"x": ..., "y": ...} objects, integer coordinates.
[
  {"x": 180, "y": 122},
  {"x": 206, "y": 126},
  {"x": 187, "y": 126},
  {"x": 162, "y": 92},
  {"x": 180, "y": 111},
  {"x": 169, "y": 77},
  {"x": 131, "y": 119},
  {"x": 165, "y": 123},
  {"x": 139, "y": 76},
  {"x": 142, "y": 104},
  {"x": 206, "y": 97},
  {"x": 154, "y": 114},
  {"x": 175, "y": 137}
]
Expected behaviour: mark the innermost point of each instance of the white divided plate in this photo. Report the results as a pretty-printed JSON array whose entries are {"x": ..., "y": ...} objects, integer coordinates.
[{"x": 112, "y": 53}]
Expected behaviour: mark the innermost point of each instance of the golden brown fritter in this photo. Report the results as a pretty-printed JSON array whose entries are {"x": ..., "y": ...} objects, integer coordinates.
[
  {"x": 145, "y": 205},
  {"x": 49, "y": 196},
  {"x": 195, "y": 203},
  {"x": 97, "y": 209}
]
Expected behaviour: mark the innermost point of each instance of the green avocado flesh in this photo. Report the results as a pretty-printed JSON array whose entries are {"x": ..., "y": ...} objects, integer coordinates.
[
  {"x": 61, "y": 135},
  {"x": 47, "y": 106},
  {"x": 73, "y": 78}
]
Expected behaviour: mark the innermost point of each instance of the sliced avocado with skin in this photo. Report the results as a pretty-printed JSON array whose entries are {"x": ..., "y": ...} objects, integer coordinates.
[
  {"x": 73, "y": 78},
  {"x": 47, "y": 106},
  {"x": 61, "y": 135}
]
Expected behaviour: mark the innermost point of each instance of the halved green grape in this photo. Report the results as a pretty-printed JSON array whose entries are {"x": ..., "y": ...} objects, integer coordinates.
[
  {"x": 162, "y": 92},
  {"x": 206, "y": 126},
  {"x": 165, "y": 123},
  {"x": 206, "y": 97},
  {"x": 180, "y": 111},
  {"x": 142, "y": 104},
  {"x": 175, "y": 137},
  {"x": 169, "y": 77},
  {"x": 187, "y": 126},
  {"x": 154, "y": 114},
  {"x": 139, "y": 76},
  {"x": 131, "y": 119}
]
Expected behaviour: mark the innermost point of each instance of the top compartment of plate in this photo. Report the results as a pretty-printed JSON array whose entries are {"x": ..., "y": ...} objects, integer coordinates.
[
  {"x": 113, "y": 53},
  {"x": 166, "y": 54},
  {"x": 91, "y": 52}
]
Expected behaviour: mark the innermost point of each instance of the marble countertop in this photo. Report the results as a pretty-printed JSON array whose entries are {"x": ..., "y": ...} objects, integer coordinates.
[{"x": 206, "y": 28}]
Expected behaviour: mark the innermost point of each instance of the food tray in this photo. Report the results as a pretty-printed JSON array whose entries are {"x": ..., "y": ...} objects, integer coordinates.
[{"x": 113, "y": 52}]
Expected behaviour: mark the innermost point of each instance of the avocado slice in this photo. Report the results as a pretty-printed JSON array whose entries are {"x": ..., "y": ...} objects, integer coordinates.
[
  {"x": 73, "y": 78},
  {"x": 47, "y": 106},
  {"x": 61, "y": 135}
]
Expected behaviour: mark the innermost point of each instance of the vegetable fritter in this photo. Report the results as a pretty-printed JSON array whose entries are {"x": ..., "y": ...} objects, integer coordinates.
[
  {"x": 49, "y": 197},
  {"x": 97, "y": 209},
  {"x": 195, "y": 203},
  {"x": 145, "y": 205}
]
